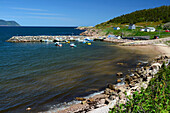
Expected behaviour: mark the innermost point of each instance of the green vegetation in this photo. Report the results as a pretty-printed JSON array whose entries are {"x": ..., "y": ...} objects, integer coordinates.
[
  {"x": 8, "y": 23},
  {"x": 147, "y": 15},
  {"x": 155, "y": 99},
  {"x": 124, "y": 31},
  {"x": 156, "y": 17}
]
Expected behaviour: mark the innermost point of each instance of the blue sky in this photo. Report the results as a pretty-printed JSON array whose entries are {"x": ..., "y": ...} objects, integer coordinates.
[{"x": 70, "y": 12}]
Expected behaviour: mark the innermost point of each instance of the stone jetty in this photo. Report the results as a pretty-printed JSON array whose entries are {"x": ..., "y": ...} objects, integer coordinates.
[{"x": 45, "y": 38}]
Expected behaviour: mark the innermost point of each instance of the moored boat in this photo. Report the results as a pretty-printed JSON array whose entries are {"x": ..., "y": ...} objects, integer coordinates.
[
  {"x": 58, "y": 44},
  {"x": 72, "y": 45}
]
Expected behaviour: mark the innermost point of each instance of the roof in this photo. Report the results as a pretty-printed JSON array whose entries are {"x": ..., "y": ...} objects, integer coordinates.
[
  {"x": 131, "y": 24},
  {"x": 150, "y": 27}
]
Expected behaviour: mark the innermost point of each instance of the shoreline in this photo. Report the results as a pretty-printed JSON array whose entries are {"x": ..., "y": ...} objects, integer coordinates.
[{"x": 101, "y": 103}]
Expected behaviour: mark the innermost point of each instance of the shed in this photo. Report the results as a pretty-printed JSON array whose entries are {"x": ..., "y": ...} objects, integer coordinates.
[
  {"x": 132, "y": 26},
  {"x": 150, "y": 29},
  {"x": 114, "y": 37},
  {"x": 116, "y": 28}
]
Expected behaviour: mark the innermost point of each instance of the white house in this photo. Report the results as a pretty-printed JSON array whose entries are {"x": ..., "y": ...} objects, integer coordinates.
[
  {"x": 116, "y": 28},
  {"x": 114, "y": 37},
  {"x": 142, "y": 29},
  {"x": 132, "y": 26},
  {"x": 150, "y": 29}
]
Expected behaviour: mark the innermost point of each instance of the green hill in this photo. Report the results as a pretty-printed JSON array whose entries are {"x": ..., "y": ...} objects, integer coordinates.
[
  {"x": 147, "y": 15},
  {"x": 8, "y": 23}
]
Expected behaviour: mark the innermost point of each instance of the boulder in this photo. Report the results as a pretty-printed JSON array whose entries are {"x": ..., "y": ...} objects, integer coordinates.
[
  {"x": 134, "y": 77},
  {"x": 112, "y": 97},
  {"x": 28, "y": 109},
  {"x": 145, "y": 78},
  {"x": 107, "y": 91},
  {"x": 111, "y": 86},
  {"x": 102, "y": 101},
  {"x": 137, "y": 75},
  {"x": 80, "y": 99},
  {"x": 128, "y": 79},
  {"x": 119, "y": 74},
  {"x": 107, "y": 101},
  {"x": 120, "y": 64}
]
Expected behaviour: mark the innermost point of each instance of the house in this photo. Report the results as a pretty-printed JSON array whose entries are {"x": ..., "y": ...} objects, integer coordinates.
[
  {"x": 142, "y": 29},
  {"x": 114, "y": 37},
  {"x": 150, "y": 29},
  {"x": 116, "y": 28},
  {"x": 132, "y": 26}
]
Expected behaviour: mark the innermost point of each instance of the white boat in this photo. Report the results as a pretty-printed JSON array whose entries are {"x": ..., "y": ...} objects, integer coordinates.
[
  {"x": 72, "y": 45},
  {"x": 58, "y": 44}
]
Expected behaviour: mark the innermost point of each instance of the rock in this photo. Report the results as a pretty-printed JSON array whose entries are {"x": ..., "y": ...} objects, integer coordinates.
[
  {"x": 102, "y": 101},
  {"x": 107, "y": 101},
  {"x": 137, "y": 75},
  {"x": 107, "y": 91},
  {"x": 119, "y": 74},
  {"x": 112, "y": 97},
  {"x": 83, "y": 102},
  {"x": 80, "y": 99},
  {"x": 90, "y": 101},
  {"x": 128, "y": 79},
  {"x": 122, "y": 89},
  {"x": 134, "y": 77},
  {"x": 132, "y": 70},
  {"x": 145, "y": 78},
  {"x": 112, "y": 92},
  {"x": 156, "y": 66},
  {"x": 120, "y": 63},
  {"x": 139, "y": 64},
  {"x": 28, "y": 109},
  {"x": 118, "y": 80},
  {"x": 111, "y": 86}
]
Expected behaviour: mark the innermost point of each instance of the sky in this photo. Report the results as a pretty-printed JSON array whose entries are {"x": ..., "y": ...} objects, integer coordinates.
[{"x": 70, "y": 12}]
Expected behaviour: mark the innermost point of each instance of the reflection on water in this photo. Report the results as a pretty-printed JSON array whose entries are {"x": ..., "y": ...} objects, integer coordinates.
[{"x": 41, "y": 75}]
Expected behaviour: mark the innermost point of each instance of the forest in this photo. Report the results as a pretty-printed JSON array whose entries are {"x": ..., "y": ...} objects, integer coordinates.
[{"x": 147, "y": 15}]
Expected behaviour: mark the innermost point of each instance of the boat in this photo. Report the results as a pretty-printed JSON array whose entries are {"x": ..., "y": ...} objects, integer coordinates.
[
  {"x": 58, "y": 44},
  {"x": 88, "y": 39},
  {"x": 89, "y": 43},
  {"x": 72, "y": 45},
  {"x": 68, "y": 42}
]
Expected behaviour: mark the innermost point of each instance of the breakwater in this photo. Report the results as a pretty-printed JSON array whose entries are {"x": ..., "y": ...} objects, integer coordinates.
[{"x": 45, "y": 38}]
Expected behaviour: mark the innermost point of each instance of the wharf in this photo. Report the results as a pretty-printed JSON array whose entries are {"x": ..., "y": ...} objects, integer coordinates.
[{"x": 46, "y": 38}]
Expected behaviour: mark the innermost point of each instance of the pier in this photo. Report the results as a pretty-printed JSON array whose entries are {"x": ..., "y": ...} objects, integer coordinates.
[{"x": 46, "y": 38}]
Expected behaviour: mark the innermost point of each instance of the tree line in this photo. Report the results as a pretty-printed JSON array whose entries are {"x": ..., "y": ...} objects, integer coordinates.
[{"x": 147, "y": 15}]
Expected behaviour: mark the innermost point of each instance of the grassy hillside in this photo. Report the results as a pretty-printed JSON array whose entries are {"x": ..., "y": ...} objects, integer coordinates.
[{"x": 159, "y": 14}]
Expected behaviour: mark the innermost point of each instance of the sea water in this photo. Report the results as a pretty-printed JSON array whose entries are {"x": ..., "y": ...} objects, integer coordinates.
[{"x": 42, "y": 75}]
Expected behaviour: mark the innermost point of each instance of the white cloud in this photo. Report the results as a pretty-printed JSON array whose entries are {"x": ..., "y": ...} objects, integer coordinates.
[
  {"x": 27, "y": 9},
  {"x": 39, "y": 17}
]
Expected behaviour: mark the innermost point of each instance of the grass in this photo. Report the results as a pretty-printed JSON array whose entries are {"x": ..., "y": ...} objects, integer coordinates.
[
  {"x": 155, "y": 99},
  {"x": 108, "y": 29},
  {"x": 136, "y": 32}
]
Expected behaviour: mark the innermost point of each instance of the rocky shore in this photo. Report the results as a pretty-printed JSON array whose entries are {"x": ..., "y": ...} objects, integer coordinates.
[
  {"x": 114, "y": 94},
  {"x": 126, "y": 42}
]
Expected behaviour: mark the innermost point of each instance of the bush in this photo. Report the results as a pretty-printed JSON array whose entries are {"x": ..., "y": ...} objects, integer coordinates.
[{"x": 155, "y": 99}]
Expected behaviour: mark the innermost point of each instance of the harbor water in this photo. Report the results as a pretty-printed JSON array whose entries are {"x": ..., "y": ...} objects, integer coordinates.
[{"x": 42, "y": 75}]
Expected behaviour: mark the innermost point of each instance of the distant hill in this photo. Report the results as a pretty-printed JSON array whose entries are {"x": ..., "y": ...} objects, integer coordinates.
[
  {"x": 8, "y": 23},
  {"x": 147, "y": 15}
]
